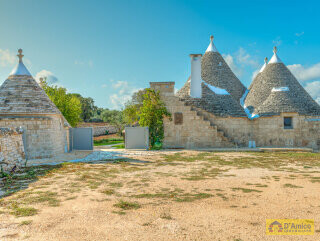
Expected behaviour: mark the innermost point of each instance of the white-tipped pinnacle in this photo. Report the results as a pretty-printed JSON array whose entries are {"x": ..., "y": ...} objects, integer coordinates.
[
  {"x": 211, "y": 47},
  {"x": 20, "y": 69},
  {"x": 264, "y": 65},
  {"x": 275, "y": 59}
]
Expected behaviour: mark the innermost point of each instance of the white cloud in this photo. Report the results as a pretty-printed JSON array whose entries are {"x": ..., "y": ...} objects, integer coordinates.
[
  {"x": 7, "y": 58},
  {"x": 277, "y": 41},
  {"x": 246, "y": 59},
  {"x": 230, "y": 61},
  {"x": 84, "y": 63},
  {"x": 303, "y": 73},
  {"x": 313, "y": 89},
  {"x": 124, "y": 93},
  {"x": 49, "y": 76},
  {"x": 299, "y": 34},
  {"x": 239, "y": 61}
]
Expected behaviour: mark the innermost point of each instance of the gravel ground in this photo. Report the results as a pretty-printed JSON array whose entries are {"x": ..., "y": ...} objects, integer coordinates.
[{"x": 172, "y": 195}]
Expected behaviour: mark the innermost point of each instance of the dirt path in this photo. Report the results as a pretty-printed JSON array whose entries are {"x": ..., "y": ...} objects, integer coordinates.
[{"x": 177, "y": 196}]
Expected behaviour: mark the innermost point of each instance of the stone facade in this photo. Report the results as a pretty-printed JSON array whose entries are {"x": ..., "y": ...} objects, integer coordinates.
[
  {"x": 44, "y": 135},
  {"x": 203, "y": 129},
  {"x": 12, "y": 154}
]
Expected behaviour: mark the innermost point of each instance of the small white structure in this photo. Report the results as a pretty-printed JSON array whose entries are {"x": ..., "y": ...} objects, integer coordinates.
[{"x": 195, "y": 82}]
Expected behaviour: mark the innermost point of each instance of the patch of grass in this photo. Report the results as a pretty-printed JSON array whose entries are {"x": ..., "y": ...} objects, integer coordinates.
[
  {"x": 110, "y": 141},
  {"x": 25, "y": 222},
  {"x": 221, "y": 195},
  {"x": 119, "y": 212},
  {"x": 192, "y": 197},
  {"x": 24, "y": 211},
  {"x": 315, "y": 179},
  {"x": 146, "y": 224},
  {"x": 108, "y": 192},
  {"x": 125, "y": 205},
  {"x": 288, "y": 185},
  {"x": 245, "y": 190},
  {"x": 121, "y": 146},
  {"x": 116, "y": 184},
  {"x": 41, "y": 197}
]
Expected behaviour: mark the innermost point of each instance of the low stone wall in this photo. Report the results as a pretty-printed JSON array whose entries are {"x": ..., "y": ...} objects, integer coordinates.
[
  {"x": 12, "y": 155},
  {"x": 101, "y": 130}
]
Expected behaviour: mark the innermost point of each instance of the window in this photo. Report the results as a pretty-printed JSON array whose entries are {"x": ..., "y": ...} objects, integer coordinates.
[
  {"x": 287, "y": 123},
  {"x": 178, "y": 118}
]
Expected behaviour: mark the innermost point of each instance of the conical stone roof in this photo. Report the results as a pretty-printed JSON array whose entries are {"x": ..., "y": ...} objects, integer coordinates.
[
  {"x": 21, "y": 94},
  {"x": 276, "y": 90},
  {"x": 216, "y": 72},
  {"x": 218, "y": 104},
  {"x": 213, "y": 102}
]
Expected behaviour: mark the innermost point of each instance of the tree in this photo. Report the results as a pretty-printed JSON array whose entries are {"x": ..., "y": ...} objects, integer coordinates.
[
  {"x": 151, "y": 114},
  {"x": 68, "y": 104},
  {"x": 114, "y": 117},
  {"x": 87, "y": 106}
]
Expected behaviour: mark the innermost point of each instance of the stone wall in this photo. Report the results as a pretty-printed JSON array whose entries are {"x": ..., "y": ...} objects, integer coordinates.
[
  {"x": 189, "y": 130},
  {"x": 203, "y": 129},
  {"x": 101, "y": 130},
  {"x": 12, "y": 154},
  {"x": 44, "y": 136}
]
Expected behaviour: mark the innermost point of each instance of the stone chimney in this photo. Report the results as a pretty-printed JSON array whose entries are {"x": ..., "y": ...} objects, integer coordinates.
[{"x": 195, "y": 80}]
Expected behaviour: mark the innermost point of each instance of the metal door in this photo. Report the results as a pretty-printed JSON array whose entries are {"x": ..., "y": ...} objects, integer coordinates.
[
  {"x": 136, "y": 137},
  {"x": 82, "y": 138}
]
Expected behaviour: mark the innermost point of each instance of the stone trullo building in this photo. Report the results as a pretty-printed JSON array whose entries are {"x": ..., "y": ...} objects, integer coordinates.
[
  {"x": 214, "y": 109},
  {"x": 23, "y": 103}
]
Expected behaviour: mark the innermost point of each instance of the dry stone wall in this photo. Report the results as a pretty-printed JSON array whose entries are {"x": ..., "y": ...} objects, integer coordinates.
[
  {"x": 12, "y": 155},
  {"x": 102, "y": 130}
]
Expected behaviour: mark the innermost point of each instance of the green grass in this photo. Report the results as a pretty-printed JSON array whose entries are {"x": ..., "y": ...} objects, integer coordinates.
[
  {"x": 121, "y": 146},
  {"x": 26, "y": 222},
  {"x": 176, "y": 196},
  {"x": 245, "y": 190},
  {"x": 108, "y": 192},
  {"x": 116, "y": 184},
  {"x": 24, "y": 211},
  {"x": 125, "y": 205},
  {"x": 110, "y": 141},
  {"x": 119, "y": 212},
  {"x": 42, "y": 197},
  {"x": 288, "y": 185}
]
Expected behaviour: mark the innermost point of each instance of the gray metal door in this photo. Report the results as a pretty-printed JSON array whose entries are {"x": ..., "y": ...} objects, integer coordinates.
[
  {"x": 136, "y": 137},
  {"x": 82, "y": 138}
]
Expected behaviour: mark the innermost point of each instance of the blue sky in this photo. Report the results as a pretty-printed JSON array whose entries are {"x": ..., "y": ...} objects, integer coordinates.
[{"x": 109, "y": 49}]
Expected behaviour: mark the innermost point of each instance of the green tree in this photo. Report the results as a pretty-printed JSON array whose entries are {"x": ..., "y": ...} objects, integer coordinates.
[
  {"x": 68, "y": 104},
  {"x": 87, "y": 106},
  {"x": 114, "y": 117},
  {"x": 151, "y": 114}
]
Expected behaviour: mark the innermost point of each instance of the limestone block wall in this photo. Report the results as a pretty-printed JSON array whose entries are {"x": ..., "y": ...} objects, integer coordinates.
[
  {"x": 44, "y": 136},
  {"x": 11, "y": 149},
  {"x": 193, "y": 131},
  {"x": 269, "y": 131}
]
